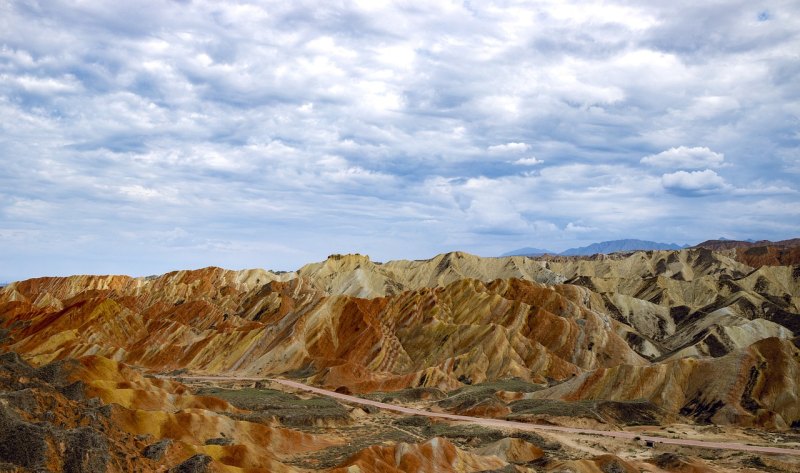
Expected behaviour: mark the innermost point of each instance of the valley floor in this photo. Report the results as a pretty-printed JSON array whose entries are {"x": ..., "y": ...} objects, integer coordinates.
[{"x": 563, "y": 441}]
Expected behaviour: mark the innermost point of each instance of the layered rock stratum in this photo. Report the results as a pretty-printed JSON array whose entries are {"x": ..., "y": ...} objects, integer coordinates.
[{"x": 696, "y": 335}]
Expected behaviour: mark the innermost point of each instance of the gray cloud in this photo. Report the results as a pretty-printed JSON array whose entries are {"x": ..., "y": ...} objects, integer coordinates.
[{"x": 162, "y": 134}]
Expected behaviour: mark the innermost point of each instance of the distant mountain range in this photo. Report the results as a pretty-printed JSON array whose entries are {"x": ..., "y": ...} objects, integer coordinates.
[
  {"x": 614, "y": 246},
  {"x": 604, "y": 247},
  {"x": 528, "y": 251}
]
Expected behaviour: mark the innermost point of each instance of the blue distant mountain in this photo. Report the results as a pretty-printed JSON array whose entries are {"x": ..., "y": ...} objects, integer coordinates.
[
  {"x": 604, "y": 247},
  {"x": 615, "y": 246},
  {"x": 529, "y": 252}
]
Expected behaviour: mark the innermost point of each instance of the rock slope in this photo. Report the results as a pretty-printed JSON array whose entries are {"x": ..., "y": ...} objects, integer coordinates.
[
  {"x": 455, "y": 319},
  {"x": 51, "y": 421},
  {"x": 467, "y": 331}
]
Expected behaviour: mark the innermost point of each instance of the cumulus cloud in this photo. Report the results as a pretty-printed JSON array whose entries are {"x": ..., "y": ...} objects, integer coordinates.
[
  {"x": 685, "y": 157},
  {"x": 275, "y": 133},
  {"x": 694, "y": 182}
]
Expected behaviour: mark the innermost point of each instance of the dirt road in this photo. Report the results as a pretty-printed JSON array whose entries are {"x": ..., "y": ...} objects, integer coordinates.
[{"x": 506, "y": 424}]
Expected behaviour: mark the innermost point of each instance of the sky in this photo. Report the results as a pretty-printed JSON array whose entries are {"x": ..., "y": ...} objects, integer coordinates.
[{"x": 143, "y": 137}]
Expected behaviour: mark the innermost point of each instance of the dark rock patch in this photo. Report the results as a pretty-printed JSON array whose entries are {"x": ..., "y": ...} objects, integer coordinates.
[
  {"x": 702, "y": 411},
  {"x": 27, "y": 445},
  {"x": 87, "y": 451},
  {"x": 716, "y": 348},
  {"x": 156, "y": 450},
  {"x": 413, "y": 421},
  {"x": 668, "y": 461},
  {"x": 195, "y": 464},
  {"x": 679, "y": 313},
  {"x": 75, "y": 391},
  {"x": 219, "y": 441},
  {"x": 789, "y": 320},
  {"x": 747, "y": 400}
]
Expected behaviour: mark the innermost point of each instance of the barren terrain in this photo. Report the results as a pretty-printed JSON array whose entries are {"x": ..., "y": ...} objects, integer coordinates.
[{"x": 650, "y": 361}]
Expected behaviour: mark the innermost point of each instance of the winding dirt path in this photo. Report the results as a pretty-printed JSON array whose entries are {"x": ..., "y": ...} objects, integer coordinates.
[{"x": 507, "y": 424}]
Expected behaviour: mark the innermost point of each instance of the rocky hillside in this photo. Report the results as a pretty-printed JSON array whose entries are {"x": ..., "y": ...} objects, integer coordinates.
[
  {"x": 92, "y": 414},
  {"x": 648, "y": 337},
  {"x": 759, "y": 253},
  {"x": 444, "y": 322}
]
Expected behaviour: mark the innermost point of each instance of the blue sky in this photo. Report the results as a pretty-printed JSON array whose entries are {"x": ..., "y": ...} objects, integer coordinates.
[{"x": 142, "y": 137}]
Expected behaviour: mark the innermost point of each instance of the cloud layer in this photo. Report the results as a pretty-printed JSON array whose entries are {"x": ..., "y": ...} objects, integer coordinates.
[{"x": 167, "y": 134}]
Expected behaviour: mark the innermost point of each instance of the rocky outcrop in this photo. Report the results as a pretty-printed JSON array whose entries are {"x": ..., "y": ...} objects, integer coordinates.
[
  {"x": 759, "y": 253},
  {"x": 690, "y": 302},
  {"x": 755, "y": 386},
  {"x": 43, "y": 430}
]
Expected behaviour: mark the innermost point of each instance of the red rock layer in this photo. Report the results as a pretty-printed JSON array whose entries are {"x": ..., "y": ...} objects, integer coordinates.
[{"x": 758, "y": 256}]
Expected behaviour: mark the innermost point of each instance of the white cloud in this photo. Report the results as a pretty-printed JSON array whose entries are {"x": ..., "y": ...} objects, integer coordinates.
[
  {"x": 578, "y": 228},
  {"x": 532, "y": 161},
  {"x": 764, "y": 189},
  {"x": 693, "y": 183},
  {"x": 251, "y": 124},
  {"x": 142, "y": 193},
  {"x": 43, "y": 85},
  {"x": 29, "y": 209},
  {"x": 684, "y": 157},
  {"x": 706, "y": 107},
  {"x": 509, "y": 148}
]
